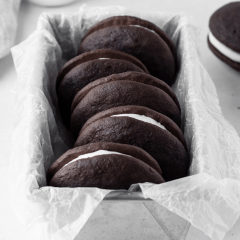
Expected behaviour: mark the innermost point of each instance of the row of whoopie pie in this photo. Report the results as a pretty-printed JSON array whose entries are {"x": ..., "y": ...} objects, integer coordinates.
[{"x": 126, "y": 121}]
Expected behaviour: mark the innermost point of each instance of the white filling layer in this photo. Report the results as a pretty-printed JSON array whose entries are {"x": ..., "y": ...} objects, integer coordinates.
[
  {"x": 228, "y": 52},
  {"x": 144, "y": 28},
  {"x": 93, "y": 154},
  {"x": 141, "y": 118},
  {"x": 104, "y": 58}
]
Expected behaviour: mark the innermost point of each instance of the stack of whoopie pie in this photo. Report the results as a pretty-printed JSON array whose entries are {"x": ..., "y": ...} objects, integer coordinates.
[{"x": 116, "y": 99}]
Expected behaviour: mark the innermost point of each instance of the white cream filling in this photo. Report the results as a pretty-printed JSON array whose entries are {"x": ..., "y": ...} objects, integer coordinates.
[
  {"x": 93, "y": 154},
  {"x": 144, "y": 28},
  {"x": 141, "y": 118},
  {"x": 228, "y": 52},
  {"x": 104, "y": 58}
]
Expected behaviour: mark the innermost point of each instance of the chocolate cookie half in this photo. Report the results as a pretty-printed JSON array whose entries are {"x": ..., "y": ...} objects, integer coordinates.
[
  {"x": 224, "y": 34},
  {"x": 130, "y": 76},
  {"x": 104, "y": 165},
  {"x": 137, "y": 37},
  {"x": 80, "y": 71},
  {"x": 142, "y": 131},
  {"x": 122, "y": 93}
]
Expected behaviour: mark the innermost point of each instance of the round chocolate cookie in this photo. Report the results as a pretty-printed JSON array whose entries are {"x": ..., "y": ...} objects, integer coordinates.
[
  {"x": 130, "y": 76},
  {"x": 130, "y": 20},
  {"x": 93, "y": 55},
  {"x": 161, "y": 144},
  {"x": 137, "y": 37},
  {"x": 88, "y": 67},
  {"x": 144, "y": 113},
  {"x": 224, "y": 34},
  {"x": 121, "y": 93},
  {"x": 104, "y": 165}
]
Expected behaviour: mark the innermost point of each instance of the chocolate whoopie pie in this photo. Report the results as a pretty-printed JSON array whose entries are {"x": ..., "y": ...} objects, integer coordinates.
[
  {"x": 104, "y": 165},
  {"x": 121, "y": 93},
  {"x": 130, "y": 76},
  {"x": 153, "y": 132},
  {"x": 224, "y": 34},
  {"x": 137, "y": 37},
  {"x": 83, "y": 69},
  {"x": 144, "y": 113}
]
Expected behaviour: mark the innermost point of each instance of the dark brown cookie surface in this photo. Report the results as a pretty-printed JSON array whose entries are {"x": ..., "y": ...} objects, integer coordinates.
[
  {"x": 93, "y": 147},
  {"x": 130, "y": 76},
  {"x": 121, "y": 93},
  {"x": 160, "y": 144},
  {"x": 141, "y": 112},
  {"x": 141, "y": 43},
  {"x": 225, "y": 25},
  {"x": 130, "y": 20},
  {"x": 93, "y": 55},
  {"x": 86, "y": 72},
  {"x": 107, "y": 172}
]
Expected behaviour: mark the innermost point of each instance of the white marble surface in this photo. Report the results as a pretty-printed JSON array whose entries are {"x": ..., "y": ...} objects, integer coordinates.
[{"x": 227, "y": 82}]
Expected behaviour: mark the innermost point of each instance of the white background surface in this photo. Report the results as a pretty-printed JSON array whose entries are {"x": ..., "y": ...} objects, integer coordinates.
[{"x": 227, "y": 82}]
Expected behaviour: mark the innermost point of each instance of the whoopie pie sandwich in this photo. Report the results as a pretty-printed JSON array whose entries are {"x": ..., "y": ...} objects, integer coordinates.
[
  {"x": 138, "y": 37},
  {"x": 87, "y": 67},
  {"x": 104, "y": 165},
  {"x": 130, "y": 76},
  {"x": 142, "y": 127},
  {"x": 224, "y": 34},
  {"x": 121, "y": 93}
]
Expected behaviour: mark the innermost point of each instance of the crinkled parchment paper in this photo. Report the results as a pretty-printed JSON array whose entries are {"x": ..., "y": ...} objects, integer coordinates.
[{"x": 209, "y": 198}]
